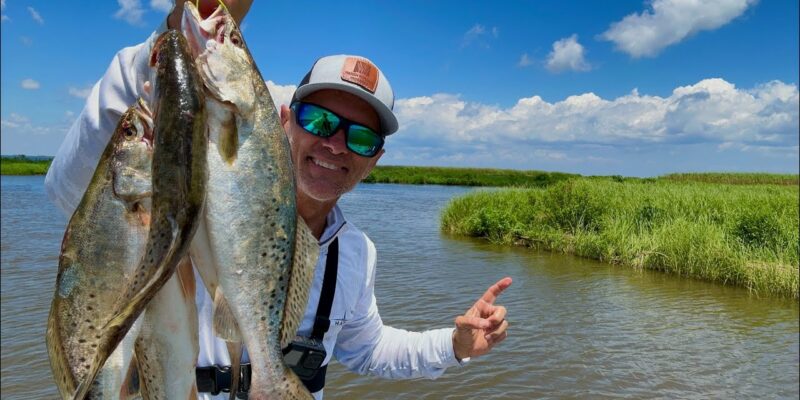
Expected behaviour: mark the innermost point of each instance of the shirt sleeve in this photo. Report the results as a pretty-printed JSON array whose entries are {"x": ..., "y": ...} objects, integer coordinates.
[
  {"x": 366, "y": 346},
  {"x": 77, "y": 157}
]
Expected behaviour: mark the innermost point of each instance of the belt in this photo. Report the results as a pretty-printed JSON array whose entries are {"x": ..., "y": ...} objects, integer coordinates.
[{"x": 217, "y": 379}]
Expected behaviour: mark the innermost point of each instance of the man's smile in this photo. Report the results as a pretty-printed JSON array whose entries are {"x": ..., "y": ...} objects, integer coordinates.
[{"x": 326, "y": 164}]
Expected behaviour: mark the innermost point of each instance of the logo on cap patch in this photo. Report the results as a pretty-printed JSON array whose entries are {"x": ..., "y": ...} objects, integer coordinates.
[{"x": 361, "y": 72}]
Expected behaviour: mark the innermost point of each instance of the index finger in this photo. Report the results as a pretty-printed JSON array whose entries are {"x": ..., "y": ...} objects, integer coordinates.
[{"x": 491, "y": 294}]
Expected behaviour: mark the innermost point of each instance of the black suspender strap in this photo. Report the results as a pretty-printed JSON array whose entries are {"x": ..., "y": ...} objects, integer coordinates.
[{"x": 322, "y": 322}]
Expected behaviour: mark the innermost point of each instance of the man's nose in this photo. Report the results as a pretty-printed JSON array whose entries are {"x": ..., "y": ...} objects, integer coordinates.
[{"x": 337, "y": 143}]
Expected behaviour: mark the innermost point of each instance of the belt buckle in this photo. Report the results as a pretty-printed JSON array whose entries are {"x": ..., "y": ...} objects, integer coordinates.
[{"x": 221, "y": 374}]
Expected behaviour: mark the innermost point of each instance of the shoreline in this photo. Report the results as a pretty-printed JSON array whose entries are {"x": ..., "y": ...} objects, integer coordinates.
[{"x": 740, "y": 235}]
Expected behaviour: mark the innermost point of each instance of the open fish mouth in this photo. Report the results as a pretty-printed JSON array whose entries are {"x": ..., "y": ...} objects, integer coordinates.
[
  {"x": 199, "y": 31},
  {"x": 144, "y": 112}
]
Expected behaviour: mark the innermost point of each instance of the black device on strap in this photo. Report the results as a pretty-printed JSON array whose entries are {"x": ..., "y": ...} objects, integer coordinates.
[{"x": 308, "y": 353}]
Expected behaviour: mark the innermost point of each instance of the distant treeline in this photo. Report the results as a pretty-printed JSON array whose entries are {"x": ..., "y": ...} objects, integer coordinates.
[
  {"x": 24, "y": 165},
  {"x": 742, "y": 235},
  {"x": 37, "y": 165},
  {"x": 465, "y": 176}
]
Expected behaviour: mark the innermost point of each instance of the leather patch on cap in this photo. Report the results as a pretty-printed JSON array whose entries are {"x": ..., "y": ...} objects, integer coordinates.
[{"x": 361, "y": 72}]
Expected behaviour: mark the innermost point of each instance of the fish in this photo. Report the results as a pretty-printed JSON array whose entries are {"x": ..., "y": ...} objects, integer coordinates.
[
  {"x": 103, "y": 244},
  {"x": 178, "y": 178},
  {"x": 167, "y": 346},
  {"x": 262, "y": 253}
]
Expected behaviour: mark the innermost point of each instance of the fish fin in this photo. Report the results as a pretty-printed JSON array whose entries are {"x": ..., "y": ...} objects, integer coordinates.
[
  {"x": 235, "y": 352},
  {"x": 306, "y": 252},
  {"x": 131, "y": 384},
  {"x": 224, "y": 322},
  {"x": 186, "y": 280},
  {"x": 202, "y": 257},
  {"x": 228, "y": 144},
  {"x": 62, "y": 373}
]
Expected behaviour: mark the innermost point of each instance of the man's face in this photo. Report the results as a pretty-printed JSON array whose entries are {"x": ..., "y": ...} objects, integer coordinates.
[{"x": 325, "y": 168}]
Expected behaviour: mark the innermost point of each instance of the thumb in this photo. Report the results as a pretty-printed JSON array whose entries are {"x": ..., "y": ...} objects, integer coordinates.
[{"x": 466, "y": 323}]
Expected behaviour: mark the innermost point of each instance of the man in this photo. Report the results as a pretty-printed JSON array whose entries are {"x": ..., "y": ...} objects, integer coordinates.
[{"x": 337, "y": 122}]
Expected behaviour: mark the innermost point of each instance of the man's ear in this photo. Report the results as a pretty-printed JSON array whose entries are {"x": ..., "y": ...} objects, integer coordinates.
[{"x": 286, "y": 113}]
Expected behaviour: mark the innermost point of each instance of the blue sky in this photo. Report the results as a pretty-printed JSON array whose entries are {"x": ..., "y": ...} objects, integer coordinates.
[{"x": 637, "y": 88}]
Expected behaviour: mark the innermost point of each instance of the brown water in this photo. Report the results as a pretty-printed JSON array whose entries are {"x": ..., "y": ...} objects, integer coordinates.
[{"x": 579, "y": 329}]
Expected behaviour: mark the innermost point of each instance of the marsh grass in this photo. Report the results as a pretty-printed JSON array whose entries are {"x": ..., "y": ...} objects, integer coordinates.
[
  {"x": 464, "y": 176},
  {"x": 22, "y": 165},
  {"x": 743, "y": 235},
  {"x": 736, "y": 178}
]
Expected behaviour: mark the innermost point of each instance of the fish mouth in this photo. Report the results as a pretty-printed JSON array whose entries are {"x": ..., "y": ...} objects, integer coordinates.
[
  {"x": 199, "y": 31},
  {"x": 144, "y": 113}
]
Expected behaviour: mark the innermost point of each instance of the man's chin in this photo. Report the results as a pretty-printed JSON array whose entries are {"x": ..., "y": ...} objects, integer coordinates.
[{"x": 322, "y": 191}]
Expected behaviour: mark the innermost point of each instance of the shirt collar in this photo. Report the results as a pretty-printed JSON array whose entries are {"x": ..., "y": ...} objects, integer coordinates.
[{"x": 334, "y": 223}]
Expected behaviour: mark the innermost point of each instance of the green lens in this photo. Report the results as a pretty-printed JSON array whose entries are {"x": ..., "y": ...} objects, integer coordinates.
[
  {"x": 363, "y": 140},
  {"x": 317, "y": 120}
]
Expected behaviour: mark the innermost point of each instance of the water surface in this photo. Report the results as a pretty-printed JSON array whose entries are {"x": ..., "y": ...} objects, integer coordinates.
[{"x": 579, "y": 329}]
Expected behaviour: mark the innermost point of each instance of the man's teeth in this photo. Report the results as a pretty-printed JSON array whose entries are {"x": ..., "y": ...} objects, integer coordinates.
[{"x": 324, "y": 164}]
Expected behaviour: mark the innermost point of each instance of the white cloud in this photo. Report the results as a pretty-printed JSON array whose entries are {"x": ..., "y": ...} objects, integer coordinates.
[
  {"x": 710, "y": 111},
  {"x": 26, "y": 40},
  {"x": 80, "y": 93},
  {"x": 4, "y": 18},
  {"x": 669, "y": 22},
  {"x": 2, "y": 4},
  {"x": 130, "y": 11},
  {"x": 281, "y": 94},
  {"x": 567, "y": 54},
  {"x": 29, "y": 84},
  {"x": 35, "y": 15},
  {"x": 477, "y": 36},
  {"x": 161, "y": 5},
  {"x": 524, "y": 61}
]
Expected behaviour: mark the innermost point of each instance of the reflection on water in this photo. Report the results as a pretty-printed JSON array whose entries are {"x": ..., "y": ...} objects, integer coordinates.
[{"x": 579, "y": 329}]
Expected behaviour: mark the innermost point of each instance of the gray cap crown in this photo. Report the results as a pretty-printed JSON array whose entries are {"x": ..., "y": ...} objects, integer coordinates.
[{"x": 355, "y": 75}]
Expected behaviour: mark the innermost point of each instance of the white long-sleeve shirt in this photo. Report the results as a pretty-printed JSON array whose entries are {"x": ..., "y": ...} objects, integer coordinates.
[{"x": 357, "y": 336}]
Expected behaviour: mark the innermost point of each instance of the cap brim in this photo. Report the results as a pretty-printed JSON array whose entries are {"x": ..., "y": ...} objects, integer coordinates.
[{"x": 388, "y": 121}]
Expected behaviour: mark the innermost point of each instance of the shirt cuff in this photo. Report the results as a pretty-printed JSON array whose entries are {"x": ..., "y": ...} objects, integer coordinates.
[{"x": 448, "y": 352}]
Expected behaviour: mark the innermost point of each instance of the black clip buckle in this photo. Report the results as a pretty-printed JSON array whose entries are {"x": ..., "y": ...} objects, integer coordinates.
[{"x": 222, "y": 379}]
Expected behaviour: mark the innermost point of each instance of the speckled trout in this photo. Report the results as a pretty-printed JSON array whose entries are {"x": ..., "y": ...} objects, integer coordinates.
[
  {"x": 97, "y": 308},
  {"x": 102, "y": 246},
  {"x": 179, "y": 176},
  {"x": 262, "y": 253}
]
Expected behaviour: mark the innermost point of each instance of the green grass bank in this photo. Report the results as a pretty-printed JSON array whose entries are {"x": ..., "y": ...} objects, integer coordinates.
[
  {"x": 24, "y": 165},
  {"x": 465, "y": 176},
  {"x": 744, "y": 235}
]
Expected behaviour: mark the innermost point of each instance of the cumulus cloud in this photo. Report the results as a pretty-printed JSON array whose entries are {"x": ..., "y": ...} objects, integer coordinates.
[
  {"x": 567, "y": 54},
  {"x": 80, "y": 93},
  {"x": 130, "y": 11},
  {"x": 161, "y": 5},
  {"x": 281, "y": 94},
  {"x": 669, "y": 22},
  {"x": 35, "y": 15},
  {"x": 710, "y": 111},
  {"x": 29, "y": 84},
  {"x": 478, "y": 35}
]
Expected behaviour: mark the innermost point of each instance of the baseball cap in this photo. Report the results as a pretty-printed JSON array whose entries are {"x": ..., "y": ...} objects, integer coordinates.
[{"x": 355, "y": 75}]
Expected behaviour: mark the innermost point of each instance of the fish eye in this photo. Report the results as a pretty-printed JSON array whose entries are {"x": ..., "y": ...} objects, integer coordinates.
[
  {"x": 236, "y": 39},
  {"x": 128, "y": 130}
]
